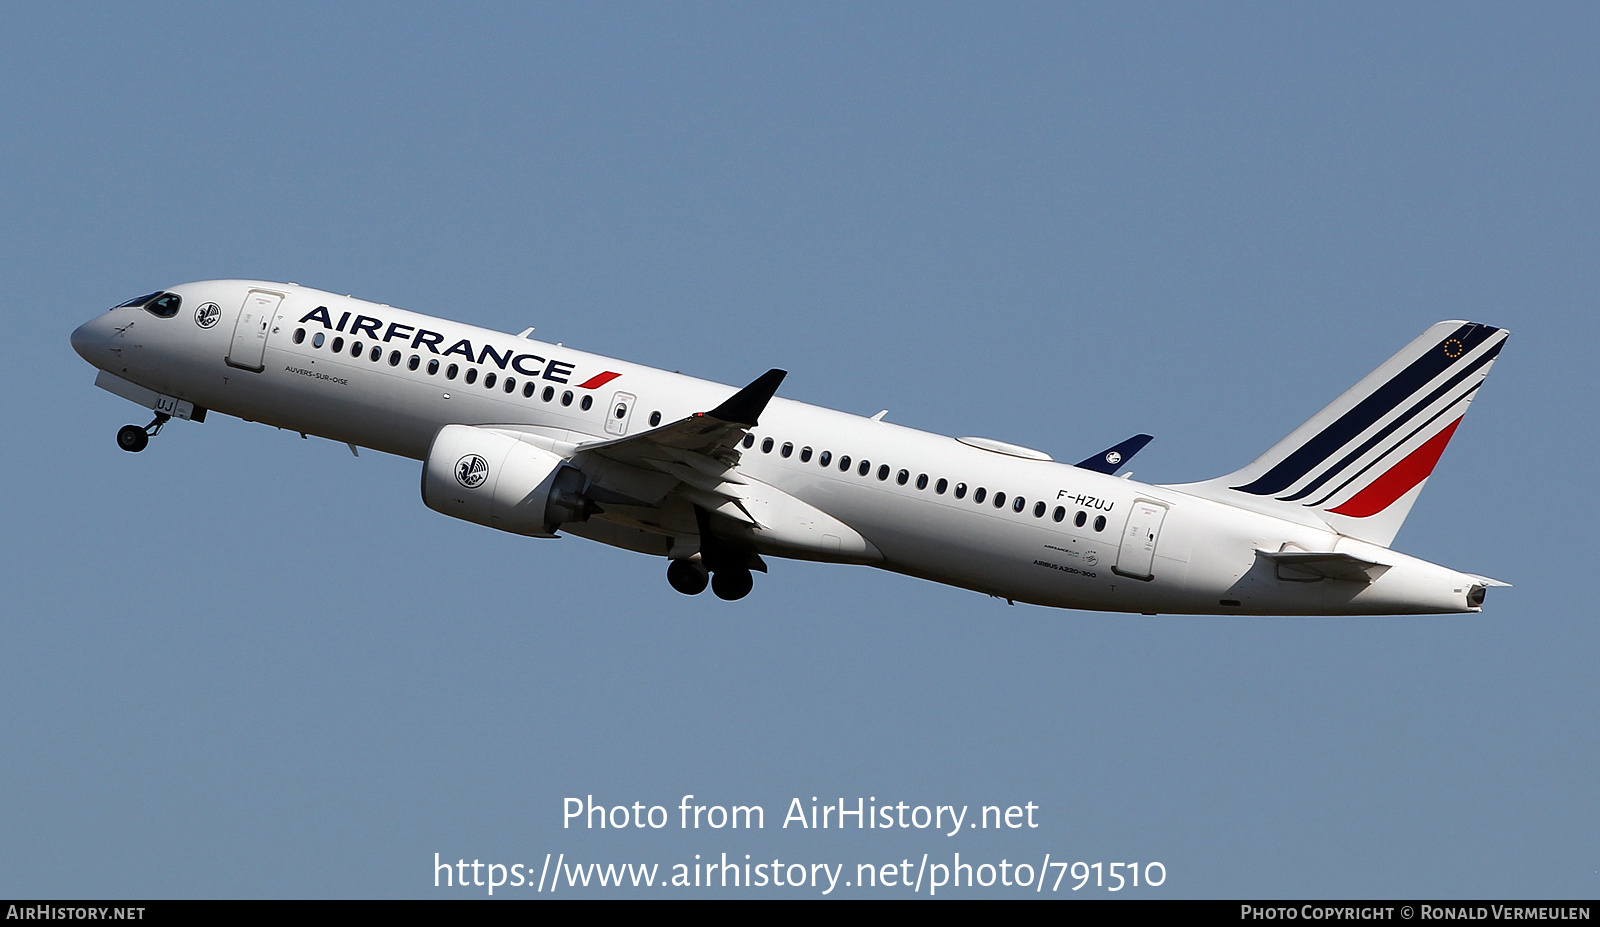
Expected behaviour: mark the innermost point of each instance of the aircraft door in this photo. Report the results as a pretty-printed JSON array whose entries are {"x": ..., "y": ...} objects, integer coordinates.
[
  {"x": 1137, "y": 554},
  {"x": 249, "y": 346},
  {"x": 621, "y": 411}
]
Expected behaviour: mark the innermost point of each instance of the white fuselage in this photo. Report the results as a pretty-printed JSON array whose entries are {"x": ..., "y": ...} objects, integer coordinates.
[{"x": 317, "y": 375}]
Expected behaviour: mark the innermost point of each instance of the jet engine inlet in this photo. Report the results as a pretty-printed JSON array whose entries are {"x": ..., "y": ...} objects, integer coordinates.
[{"x": 493, "y": 479}]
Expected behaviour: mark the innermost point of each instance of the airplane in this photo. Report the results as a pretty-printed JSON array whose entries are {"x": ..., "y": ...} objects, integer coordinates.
[{"x": 541, "y": 439}]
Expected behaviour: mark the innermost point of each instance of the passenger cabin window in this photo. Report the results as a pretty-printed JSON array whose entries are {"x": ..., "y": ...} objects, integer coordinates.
[
  {"x": 961, "y": 490},
  {"x": 825, "y": 459},
  {"x": 587, "y": 402},
  {"x": 472, "y": 375},
  {"x": 337, "y": 346},
  {"x": 979, "y": 493},
  {"x": 766, "y": 446},
  {"x": 787, "y": 449},
  {"x": 655, "y": 419},
  {"x": 805, "y": 454}
]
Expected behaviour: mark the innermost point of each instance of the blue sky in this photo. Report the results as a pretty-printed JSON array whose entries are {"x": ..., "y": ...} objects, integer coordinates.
[{"x": 243, "y": 664}]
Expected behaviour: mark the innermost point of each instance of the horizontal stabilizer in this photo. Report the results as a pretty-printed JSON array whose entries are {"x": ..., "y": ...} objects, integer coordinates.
[
  {"x": 1110, "y": 459},
  {"x": 1310, "y": 565}
]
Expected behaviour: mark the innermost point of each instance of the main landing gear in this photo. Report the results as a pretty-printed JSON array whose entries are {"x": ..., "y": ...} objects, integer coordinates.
[
  {"x": 133, "y": 439},
  {"x": 727, "y": 565},
  {"x": 690, "y": 578},
  {"x": 687, "y": 577}
]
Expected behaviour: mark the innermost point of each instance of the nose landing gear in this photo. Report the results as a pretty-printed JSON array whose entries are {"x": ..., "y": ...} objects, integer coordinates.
[{"x": 133, "y": 439}]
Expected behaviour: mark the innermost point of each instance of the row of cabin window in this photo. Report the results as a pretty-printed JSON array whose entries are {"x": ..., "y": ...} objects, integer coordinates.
[
  {"x": 902, "y": 477},
  {"x": 450, "y": 372},
  {"x": 1018, "y": 503}
]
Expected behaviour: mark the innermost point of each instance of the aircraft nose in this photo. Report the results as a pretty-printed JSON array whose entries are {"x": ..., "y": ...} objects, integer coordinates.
[{"x": 90, "y": 338}]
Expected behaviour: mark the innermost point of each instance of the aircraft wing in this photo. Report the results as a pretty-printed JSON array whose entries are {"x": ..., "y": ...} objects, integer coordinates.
[{"x": 701, "y": 450}]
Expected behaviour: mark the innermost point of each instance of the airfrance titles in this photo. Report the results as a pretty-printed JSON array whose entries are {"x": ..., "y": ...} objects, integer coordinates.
[{"x": 529, "y": 365}]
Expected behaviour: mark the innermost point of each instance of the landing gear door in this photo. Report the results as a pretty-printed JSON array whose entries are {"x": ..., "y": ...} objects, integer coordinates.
[
  {"x": 249, "y": 346},
  {"x": 1137, "y": 554},
  {"x": 621, "y": 411}
]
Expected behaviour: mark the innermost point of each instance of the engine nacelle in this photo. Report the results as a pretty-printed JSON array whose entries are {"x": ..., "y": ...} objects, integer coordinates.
[{"x": 493, "y": 479}]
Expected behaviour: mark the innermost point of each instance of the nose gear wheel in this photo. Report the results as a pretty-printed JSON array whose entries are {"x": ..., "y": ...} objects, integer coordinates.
[{"x": 134, "y": 439}]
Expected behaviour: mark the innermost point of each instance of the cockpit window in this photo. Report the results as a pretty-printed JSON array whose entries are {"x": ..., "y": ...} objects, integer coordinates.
[
  {"x": 164, "y": 306},
  {"x": 140, "y": 301}
]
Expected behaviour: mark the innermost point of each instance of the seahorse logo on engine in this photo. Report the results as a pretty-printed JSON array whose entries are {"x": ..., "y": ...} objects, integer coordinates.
[{"x": 471, "y": 471}]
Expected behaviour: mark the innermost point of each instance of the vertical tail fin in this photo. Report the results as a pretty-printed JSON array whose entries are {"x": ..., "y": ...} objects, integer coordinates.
[{"x": 1360, "y": 463}]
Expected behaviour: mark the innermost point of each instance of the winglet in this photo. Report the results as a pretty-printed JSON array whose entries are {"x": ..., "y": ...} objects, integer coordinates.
[
  {"x": 1108, "y": 460},
  {"x": 746, "y": 406}
]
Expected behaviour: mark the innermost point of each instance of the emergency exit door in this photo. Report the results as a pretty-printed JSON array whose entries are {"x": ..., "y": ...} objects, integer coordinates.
[{"x": 621, "y": 411}]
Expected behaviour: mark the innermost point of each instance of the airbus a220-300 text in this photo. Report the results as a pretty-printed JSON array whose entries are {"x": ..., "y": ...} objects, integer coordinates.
[{"x": 539, "y": 439}]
